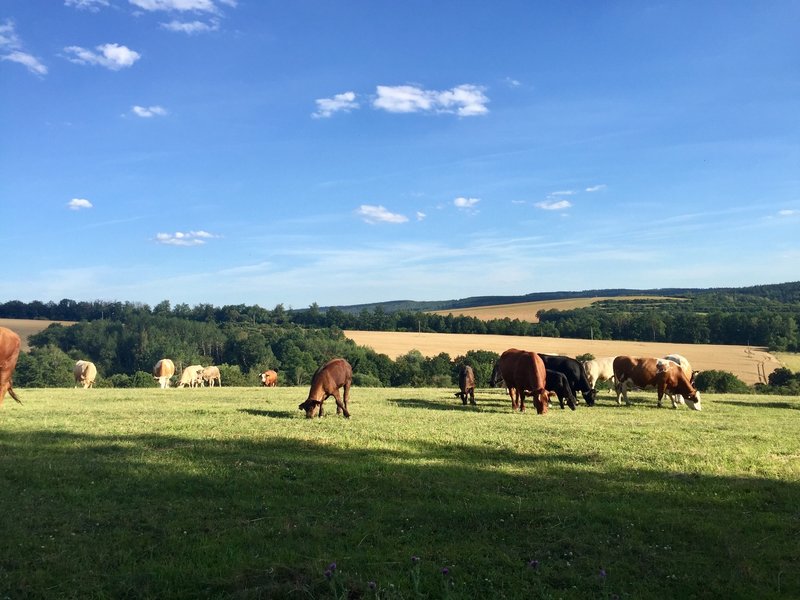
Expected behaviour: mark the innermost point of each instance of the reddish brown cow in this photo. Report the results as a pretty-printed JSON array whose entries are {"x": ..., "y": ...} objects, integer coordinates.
[
  {"x": 269, "y": 378},
  {"x": 663, "y": 375},
  {"x": 9, "y": 352},
  {"x": 524, "y": 372},
  {"x": 326, "y": 382}
]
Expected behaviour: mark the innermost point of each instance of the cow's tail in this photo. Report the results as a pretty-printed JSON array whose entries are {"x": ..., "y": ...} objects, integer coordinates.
[{"x": 14, "y": 394}]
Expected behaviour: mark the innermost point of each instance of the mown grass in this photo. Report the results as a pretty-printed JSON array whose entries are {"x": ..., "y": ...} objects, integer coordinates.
[{"x": 231, "y": 493}]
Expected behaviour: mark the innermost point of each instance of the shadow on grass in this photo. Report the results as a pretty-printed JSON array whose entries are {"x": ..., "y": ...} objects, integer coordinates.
[
  {"x": 783, "y": 405},
  {"x": 273, "y": 414},
  {"x": 446, "y": 405},
  {"x": 154, "y": 515}
]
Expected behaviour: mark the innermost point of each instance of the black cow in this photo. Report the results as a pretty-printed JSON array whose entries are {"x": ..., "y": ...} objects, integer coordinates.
[
  {"x": 574, "y": 373},
  {"x": 558, "y": 384},
  {"x": 466, "y": 383}
]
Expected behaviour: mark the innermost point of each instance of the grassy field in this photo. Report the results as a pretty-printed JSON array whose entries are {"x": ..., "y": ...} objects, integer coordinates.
[
  {"x": 743, "y": 361},
  {"x": 231, "y": 493}
]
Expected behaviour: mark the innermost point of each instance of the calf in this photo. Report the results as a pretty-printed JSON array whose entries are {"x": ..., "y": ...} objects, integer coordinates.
[
  {"x": 557, "y": 383},
  {"x": 326, "y": 382},
  {"x": 466, "y": 383}
]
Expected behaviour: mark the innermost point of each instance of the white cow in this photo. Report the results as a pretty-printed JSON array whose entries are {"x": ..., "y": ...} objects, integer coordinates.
[
  {"x": 210, "y": 375},
  {"x": 599, "y": 369},
  {"x": 85, "y": 373},
  {"x": 191, "y": 376},
  {"x": 162, "y": 371}
]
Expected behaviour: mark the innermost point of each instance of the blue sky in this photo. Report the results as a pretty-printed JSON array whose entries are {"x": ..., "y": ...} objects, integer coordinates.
[{"x": 259, "y": 152}]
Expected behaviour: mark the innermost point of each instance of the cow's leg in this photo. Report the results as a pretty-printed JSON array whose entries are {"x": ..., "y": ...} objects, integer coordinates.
[
  {"x": 513, "y": 394},
  {"x": 521, "y": 399},
  {"x": 472, "y": 396},
  {"x": 342, "y": 404}
]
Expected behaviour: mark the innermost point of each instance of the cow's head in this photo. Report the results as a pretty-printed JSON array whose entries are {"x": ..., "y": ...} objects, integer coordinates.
[
  {"x": 693, "y": 401},
  {"x": 589, "y": 397},
  {"x": 497, "y": 377},
  {"x": 312, "y": 408},
  {"x": 263, "y": 377}
]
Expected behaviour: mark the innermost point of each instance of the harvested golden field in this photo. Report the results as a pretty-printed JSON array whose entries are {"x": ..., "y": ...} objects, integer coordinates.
[
  {"x": 526, "y": 311},
  {"x": 26, "y": 327},
  {"x": 743, "y": 361}
]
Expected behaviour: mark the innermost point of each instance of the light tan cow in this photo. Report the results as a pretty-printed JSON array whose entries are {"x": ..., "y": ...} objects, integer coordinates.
[
  {"x": 85, "y": 373},
  {"x": 269, "y": 378},
  {"x": 9, "y": 352},
  {"x": 210, "y": 375},
  {"x": 191, "y": 376},
  {"x": 162, "y": 371}
]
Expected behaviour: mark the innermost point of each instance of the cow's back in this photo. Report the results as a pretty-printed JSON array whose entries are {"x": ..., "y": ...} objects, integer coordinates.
[
  {"x": 466, "y": 378},
  {"x": 331, "y": 376}
]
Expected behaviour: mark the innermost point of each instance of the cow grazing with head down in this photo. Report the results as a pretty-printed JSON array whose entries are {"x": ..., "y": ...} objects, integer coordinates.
[
  {"x": 269, "y": 378},
  {"x": 523, "y": 372},
  {"x": 327, "y": 380},
  {"x": 557, "y": 383},
  {"x": 647, "y": 373},
  {"x": 9, "y": 352},
  {"x": 466, "y": 383},
  {"x": 574, "y": 373},
  {"x": 162, "y": 371},
  {"x": 85, "y": 373},
  {"x": 598, "y": 370},
  {"x": 210, "y": 375},
  {"x": 191, "y": 376},
  {"x": 686, "y": 367}
]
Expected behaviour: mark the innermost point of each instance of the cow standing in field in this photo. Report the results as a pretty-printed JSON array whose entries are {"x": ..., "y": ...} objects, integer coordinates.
[
  {"x": 663, "y": 375},
  {"x": 557, "y": 383},
  {"x": 211, "y": 375},
  {"x": 9, "y": 352},
  {"x": 191, "y": 376},
  {"x": 326, "y": 382},
  {"x": 162, "y": 371},
  {"x": 598, "y": 370},
  {"x": 522, "y": 372},
  {"x": 686, "y": 367},
  {"x": 574, "y": 373},
  {"x": 85, "y": 373},
  {"x": 269, "y": 378},
  {"x": 466, "y": 383}
]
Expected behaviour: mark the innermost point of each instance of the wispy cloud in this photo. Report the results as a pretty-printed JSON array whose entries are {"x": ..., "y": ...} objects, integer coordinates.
[
  {"x": 788, "y": 212},
  {"x": 11, "y": 50},
  {"x": 466, "y": 203},
  {"x": 465, "y": 100},
  {"x": 191, "y": 27},
  {"x": 208, "y": 6},
  {"x": 554, "y": 204},
  {"x": 511, "y": 82},
  {"x": 326, "y": 107},
  {"x": 596, "y": 188},
  {"x": 421, "y": 215},
  {"x": 378, "y": 214},
  {"x": 563, "y": 193},
  {"x": 190, "y": 238},
  {"x": 110, "y": 56},
  {"x": 90, "y": 5},
  {"x": 147, "y": 112},
  {"x": 79, "y": 203}
]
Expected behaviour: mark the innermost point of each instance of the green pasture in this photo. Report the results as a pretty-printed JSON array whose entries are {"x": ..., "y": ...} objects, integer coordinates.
[{"x": 232, "y": 493}]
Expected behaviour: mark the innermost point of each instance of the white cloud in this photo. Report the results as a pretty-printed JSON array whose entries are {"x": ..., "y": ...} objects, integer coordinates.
[
  {"x": 464, "y": 100},
  {"x": 340, "y": 102},
  {"x": 596, "y": 188},
  {"x": 12, "y": 51},
  {"x": 90, "y": 5},
  {"x": 466, "y": 202},
  {"x": 149, "y": 111},
  {"x": 208, "y": 6},
  {"x": 563, "y": 193},
  {"x": 378, "y": 214},
  {"x": 79, "y": 203},
  {"x": 111, "y": 56},
  {"x": 421, "y": 215},
  {"x": 554, "y": 205},
  {"x": 788, "y": 212},
  {"x": 511, "y": 82},
  {"x": 190, "y": 238},
  {"x": 192, "y": 27}
]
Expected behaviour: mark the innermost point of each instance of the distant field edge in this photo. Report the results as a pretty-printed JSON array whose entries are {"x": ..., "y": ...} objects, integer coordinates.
[
  {"x": 27, "y": 327},
  {"x": 748, "y": 363}
]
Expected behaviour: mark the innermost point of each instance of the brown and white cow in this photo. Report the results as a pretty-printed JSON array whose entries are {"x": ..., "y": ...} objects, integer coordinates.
[
  {"x": 191, "y": 376},
  {"x": 162, "y": 371},
  {"x": 85, "y": 373},
  {"x": 523, "y": 372},
  {"x": 647, "y": 373},
  {"x": 9, "y": 352},
  {"x": 326, "y": 382},
  {"x": 466, "y": 383},
  {"x": 269, "y": 378},
  {"x": 211, "y": 375}
]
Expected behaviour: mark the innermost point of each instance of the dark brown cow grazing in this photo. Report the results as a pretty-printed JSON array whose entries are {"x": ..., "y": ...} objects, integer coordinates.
[
  {"x": 269, "y": 378},
  {"x": 326, "y": 382},
  {"x": 524, "y": 372},
  {"x": 9, "y": 352},
  {"x": 663, "y": 375},
  {"x": 466, "y": 383}
]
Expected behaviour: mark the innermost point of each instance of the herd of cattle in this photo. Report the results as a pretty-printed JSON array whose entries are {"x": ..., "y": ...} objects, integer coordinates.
[{"x": 522, "y": 373}]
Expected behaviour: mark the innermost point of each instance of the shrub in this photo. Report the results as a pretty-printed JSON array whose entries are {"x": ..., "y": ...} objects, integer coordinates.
[
  {"x": 366, "y": 380},
  {"x": 720, "y": 382},
  {"x": 143, "y": 379},
  {"x": 585, "y": 357},
  {"x": 231, "y": 375},
  {"x": 120, "y": 380}
]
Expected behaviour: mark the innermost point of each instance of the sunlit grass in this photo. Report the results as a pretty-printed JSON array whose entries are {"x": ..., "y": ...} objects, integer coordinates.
[{"x": 232, "y": 493}]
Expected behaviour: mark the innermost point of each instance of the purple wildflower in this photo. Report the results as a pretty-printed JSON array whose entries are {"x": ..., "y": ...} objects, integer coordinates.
[
  {"x": 602, "y": 572},
  {"x": 332, "y": 566},
  {"x": 328, "y": 574},
  {"x": 372, "y": 585},
  {"x": 415, "y": 559},
  {"x": 534, "y": 564},
  {"x": 445, "y": 571}
]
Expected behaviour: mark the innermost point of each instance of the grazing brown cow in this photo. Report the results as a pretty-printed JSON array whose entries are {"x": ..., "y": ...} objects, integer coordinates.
[
  {"x": 9, "y": 352},
  {"x": 326, "y": 382},
  {"x": 162, "y": 371},
  {"x": 210, "y": 375},
  {"x": 663, "y": 375},
  {"x": 85, "y": 373},
  {"x": 269, "y": 378},
  {"x": 524, "y": 372},
  {"x": 466, "y": 383}
]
